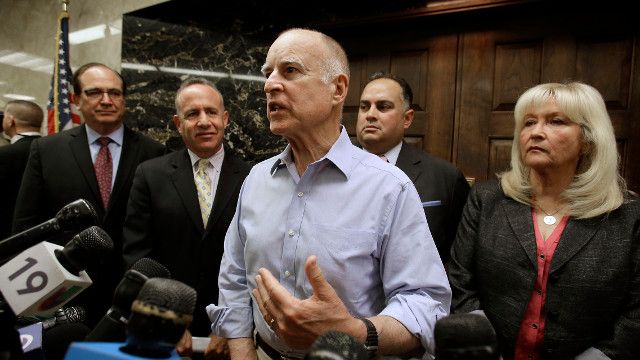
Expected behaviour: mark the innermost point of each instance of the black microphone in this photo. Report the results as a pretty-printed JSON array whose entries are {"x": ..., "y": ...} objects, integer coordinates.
[
  {"x": 72, "y": 217},
  {"x": 465, "y": 336},
  {"x": 159, "y": 317},
  {"x": 112, "y": 326},
  {"x": 335, "y": 345},
  {"x": 41, "y": 279},
  {"x": 70, "y": 315}
]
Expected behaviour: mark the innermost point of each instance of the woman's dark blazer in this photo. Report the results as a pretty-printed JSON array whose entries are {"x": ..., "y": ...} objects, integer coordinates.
[{"x": 593, "y": 289}]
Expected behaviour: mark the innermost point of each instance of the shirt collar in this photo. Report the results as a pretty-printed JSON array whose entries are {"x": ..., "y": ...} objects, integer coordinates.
[
  {"x": 23, "y": 134},
  {"x": 340, "y": 154},
  {"x": 215, "y": 160},
  {"x": 393, "y": 153},
  {"x": 117, "y": 136}
]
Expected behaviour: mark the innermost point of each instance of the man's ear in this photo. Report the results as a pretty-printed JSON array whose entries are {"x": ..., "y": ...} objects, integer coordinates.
[
  {"x": 75, "y": 98},
  {"x": 408, "y": 118},
  {"x": 341, "y": 87}
]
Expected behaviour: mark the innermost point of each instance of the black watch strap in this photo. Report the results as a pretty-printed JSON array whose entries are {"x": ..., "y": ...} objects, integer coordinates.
[{"x": 371, "y": 343}]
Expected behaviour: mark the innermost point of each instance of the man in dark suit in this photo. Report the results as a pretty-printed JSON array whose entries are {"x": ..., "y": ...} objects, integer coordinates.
[
  {"x": 181, "y": 204},
  {"x": 22, "y": 121},
  {"x": 96, "y": 162},
  {"x": 385, "y": 112}
]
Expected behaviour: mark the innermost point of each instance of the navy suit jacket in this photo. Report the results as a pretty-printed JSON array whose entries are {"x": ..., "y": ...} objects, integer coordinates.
[
  {"x": 593, "y": 289},
  {"x": 443, "y": 191},
  {"x": 59, "y": 171},
  {"x": 13, "y": 160},
  {"x": 164, "y": 223}
]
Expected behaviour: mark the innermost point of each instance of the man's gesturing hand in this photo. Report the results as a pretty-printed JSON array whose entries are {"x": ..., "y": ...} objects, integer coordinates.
[{"x": 299, "y": 322}]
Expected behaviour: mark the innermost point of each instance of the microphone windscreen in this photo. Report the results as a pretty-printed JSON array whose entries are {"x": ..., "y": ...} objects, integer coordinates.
[
  {"x": 73, "y": 314},
  {"x": 76, "y": 215},
  {"x": 168, "y": 294},
  {"x": 335, "y": 345},
  {"x": 88, "y": 246},
  {"x": 465, "y": 336},
  {"x": 151, "y": 268},
  {"x": 56, "y": 340}
]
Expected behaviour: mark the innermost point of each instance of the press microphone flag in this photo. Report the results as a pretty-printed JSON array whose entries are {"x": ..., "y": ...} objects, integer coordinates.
[
  {"x": 46, "y": 276},
  {"x": 75, "y": 216}
]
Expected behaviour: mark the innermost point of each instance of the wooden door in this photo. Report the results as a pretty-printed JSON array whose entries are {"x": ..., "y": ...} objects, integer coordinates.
[{"x": 498, "y": 65}]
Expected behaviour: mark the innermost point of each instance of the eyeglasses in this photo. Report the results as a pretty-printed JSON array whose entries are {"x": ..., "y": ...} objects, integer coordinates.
[{"x": 96, "y": 94}]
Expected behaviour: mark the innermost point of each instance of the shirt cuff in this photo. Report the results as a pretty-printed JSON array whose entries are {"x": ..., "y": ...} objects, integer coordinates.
[{"x": 231, "y": 323}]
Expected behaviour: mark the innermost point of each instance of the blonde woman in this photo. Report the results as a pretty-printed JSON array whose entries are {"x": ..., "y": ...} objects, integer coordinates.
[{"x": 551, "y": 252}]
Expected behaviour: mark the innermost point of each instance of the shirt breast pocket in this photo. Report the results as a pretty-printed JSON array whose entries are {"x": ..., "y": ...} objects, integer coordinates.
[{"x": 346, "y": 258}]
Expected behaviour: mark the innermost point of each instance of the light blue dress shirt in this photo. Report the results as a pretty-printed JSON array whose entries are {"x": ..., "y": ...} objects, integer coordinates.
[{"x": 363, "y": 219}]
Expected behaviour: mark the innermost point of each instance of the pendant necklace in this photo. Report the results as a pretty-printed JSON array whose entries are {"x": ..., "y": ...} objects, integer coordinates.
[{"x": 549, "y": 219}]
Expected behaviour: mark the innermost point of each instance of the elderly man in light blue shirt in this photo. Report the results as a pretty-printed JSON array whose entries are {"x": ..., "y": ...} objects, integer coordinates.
[{"x": 326, "y": 236}]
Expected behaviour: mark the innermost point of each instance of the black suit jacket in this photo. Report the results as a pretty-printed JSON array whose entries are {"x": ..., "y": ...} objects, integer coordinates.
[
  {"x": 593, "y": 289},
  {"x": 164, "y": 223},
  {"x": 60, "y": 171},
  {"x": 13, "y": 160},
  {"x": 443, "y": 191}
]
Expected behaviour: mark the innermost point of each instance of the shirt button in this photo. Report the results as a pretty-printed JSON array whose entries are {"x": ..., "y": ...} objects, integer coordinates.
[
  {"x": 287, "y": 273},
  {"x": 291, "y": 232},
  {"x": 300, "y": 194}
]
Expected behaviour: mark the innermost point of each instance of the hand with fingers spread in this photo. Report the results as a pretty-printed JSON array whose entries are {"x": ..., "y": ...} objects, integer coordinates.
[{"x": 299, "y": 322}]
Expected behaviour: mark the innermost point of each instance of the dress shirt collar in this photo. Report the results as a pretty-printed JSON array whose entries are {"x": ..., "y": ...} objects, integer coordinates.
[
  {"x": 23, "y": 134},
  {"x": 393, "y": 153},
  {"x": 340, "y": 154},
  {"x": 215, "y": 160},
  {"x": 117, "y": 136}
]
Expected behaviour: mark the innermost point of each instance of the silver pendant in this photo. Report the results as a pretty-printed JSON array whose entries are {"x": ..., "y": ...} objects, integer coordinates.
[{"x": 549, "y": 219}]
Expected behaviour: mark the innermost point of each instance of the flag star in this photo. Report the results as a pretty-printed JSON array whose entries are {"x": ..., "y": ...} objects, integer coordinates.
[
  {"x": 63, "y": 71},
  {"x": 61, "y": 42},
  {"x": 66, "y": 110},
  {"x": 61, "y": 52},
  {"x": 61, "y": 62},
  {"x": 65, "y": 91},
  {"x": 65, "y": 101}
]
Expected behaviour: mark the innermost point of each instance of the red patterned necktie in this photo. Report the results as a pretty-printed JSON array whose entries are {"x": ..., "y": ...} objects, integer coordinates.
[{"x": 104, "y": 170}]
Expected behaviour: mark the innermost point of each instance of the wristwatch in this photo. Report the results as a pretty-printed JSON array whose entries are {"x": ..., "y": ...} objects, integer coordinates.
[{"x": 371, "y": 343}]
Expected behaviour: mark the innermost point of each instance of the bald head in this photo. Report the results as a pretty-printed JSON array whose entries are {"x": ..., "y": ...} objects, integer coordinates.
[{"x": 335, "y": 61}]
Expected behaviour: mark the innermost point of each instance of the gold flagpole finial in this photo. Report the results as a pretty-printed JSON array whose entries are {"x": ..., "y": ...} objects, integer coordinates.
[{"x": 65, "y": 5}]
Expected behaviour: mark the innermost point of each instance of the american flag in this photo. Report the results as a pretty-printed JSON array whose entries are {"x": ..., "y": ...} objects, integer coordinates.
[{"x": 61, "y": 113}]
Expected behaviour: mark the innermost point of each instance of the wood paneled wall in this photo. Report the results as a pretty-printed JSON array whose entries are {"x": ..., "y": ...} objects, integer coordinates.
[{"x": 467, "y": 71}]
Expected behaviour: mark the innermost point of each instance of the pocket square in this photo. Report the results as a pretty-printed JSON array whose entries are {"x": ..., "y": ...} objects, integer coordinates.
[{"x": 431, "y": 203}]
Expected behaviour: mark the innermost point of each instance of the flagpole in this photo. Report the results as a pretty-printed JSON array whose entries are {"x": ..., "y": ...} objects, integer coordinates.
[{"x": 65, "y": 4}]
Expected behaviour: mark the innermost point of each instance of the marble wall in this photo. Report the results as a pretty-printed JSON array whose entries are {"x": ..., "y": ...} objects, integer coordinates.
[{"x": 157, "y": 56}]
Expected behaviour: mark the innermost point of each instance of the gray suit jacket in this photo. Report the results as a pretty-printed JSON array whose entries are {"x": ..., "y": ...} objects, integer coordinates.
[
  {"x": 593, "y": 289},
  {"x": 443, "y": 191}
]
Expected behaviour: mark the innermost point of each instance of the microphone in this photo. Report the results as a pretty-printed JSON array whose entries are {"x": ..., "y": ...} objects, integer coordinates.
[
  {"x": 112, "y": 326},
  {"x": 159, "y": 317},
  {"x": 38, "y": 342},
  {"x": 70, "y": 315},
  {"x": 335, "y": 345},
  {"x": 46, "y": 276},
  {"x": 465, "y": 336},
  {"x": 72, "y": 217}
]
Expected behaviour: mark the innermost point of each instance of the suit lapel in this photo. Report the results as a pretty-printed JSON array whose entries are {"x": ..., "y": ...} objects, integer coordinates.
[
  {"x": 182, "y": 177},
  {"x": 80, "y": 149},
  {"x": 409, "y": 162},
  {"x": 229, "y": 177},
  {"x": 576, "y": 235},
  {"x": 521, "y": 223}
]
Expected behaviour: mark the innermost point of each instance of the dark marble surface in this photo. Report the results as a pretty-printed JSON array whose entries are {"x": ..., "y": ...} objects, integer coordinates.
[{"x": 227, "y": 53}]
